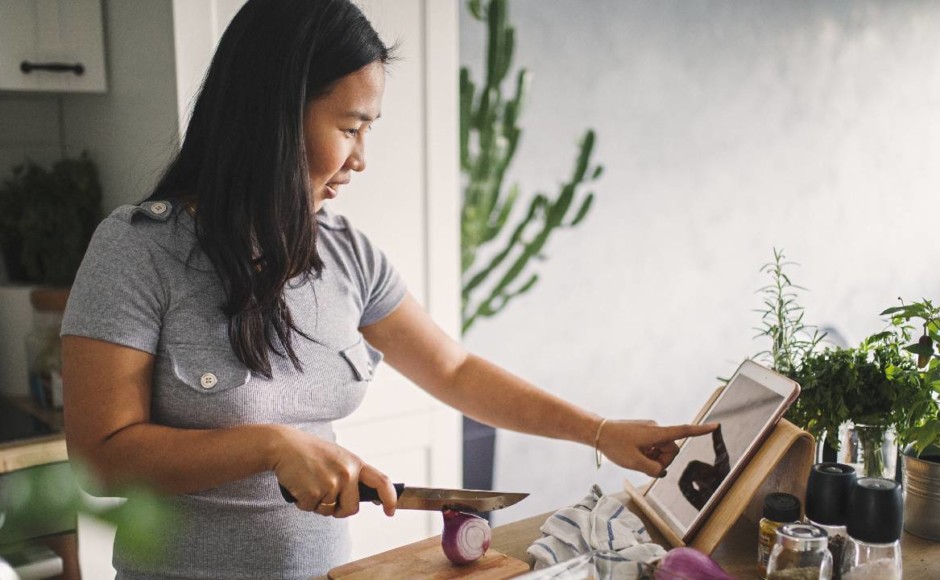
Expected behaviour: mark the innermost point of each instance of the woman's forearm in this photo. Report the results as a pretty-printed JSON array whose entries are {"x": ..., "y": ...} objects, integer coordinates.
[
  {"x": 495, "y": 396},
  {"x": 424, "y": 353},
  {"x": 181, "y": 460}
]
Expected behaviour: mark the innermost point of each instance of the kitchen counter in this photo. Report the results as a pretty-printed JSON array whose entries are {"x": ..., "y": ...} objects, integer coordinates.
[
  {"x": 41, "y": 440},
  {"x": 32, "y": 452},
  {"x": 737, "y": 553}
]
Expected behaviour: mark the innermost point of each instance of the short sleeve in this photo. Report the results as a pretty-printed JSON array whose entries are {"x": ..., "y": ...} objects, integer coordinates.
[
  {"x": 384, "y": 288},
  {"x": 117, "y": 295}
]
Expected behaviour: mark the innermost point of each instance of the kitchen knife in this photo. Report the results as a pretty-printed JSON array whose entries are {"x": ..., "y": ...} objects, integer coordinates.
[{"x": 437, "y": 499}]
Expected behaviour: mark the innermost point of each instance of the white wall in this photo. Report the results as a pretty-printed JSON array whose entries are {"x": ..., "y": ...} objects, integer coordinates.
[
  {"x": 726, "y": 129},
  {"x": 30, "y": 130},
  {"x": 130, "y": 131}
]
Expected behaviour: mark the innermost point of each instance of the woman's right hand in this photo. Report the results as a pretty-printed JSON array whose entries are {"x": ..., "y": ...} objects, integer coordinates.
[{"x": 324, "y": 477}]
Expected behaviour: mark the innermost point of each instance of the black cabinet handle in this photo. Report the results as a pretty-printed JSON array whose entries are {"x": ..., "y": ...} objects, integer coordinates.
[{"x": 27, "y": 67}]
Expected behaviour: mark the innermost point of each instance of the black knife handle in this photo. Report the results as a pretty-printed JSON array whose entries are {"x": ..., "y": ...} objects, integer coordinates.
[{"x": 366, "y": 493}]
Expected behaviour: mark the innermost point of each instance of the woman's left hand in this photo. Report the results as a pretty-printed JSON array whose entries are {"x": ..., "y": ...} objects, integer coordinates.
[{"x": 644, "y": 445}]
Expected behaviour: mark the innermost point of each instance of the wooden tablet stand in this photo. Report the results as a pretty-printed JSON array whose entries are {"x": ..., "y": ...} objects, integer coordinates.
[{"x": 782, "y": 463}]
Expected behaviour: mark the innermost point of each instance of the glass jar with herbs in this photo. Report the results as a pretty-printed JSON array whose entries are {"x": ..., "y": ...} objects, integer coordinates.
[{"x": 800, "y": 553}]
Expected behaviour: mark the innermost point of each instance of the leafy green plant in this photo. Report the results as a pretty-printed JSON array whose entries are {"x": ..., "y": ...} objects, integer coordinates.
[
  {"x": 32, "y": 500},
  {"x": 890, "y": 381},
  {"x": 873, "y": 384},
  {"x": 47, "y": 218},
  {"x": 489, "y": 137},
  {"x": 782, "y": 320},
  {"x": 920, "y": 426}
]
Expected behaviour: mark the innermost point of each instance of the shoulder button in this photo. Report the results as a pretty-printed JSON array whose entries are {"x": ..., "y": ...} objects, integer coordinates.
[{"x": 160, "y": 210}]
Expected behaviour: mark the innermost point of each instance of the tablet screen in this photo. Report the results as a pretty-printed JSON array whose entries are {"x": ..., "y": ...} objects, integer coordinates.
[{"x": 703, "y": 463}]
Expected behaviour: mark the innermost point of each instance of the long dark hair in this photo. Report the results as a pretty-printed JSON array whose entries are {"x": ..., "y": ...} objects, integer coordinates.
[{"x": 243, "y": 159}]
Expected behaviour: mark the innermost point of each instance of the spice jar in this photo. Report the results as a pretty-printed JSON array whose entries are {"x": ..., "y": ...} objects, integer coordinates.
[
  {"x": 875, "y": 522},
  {"x": 801, "y": 552},
  {"x": 44, "y": 347},
  {"x": 827, "y": 498},
  {"x": 779, "y": 509}
]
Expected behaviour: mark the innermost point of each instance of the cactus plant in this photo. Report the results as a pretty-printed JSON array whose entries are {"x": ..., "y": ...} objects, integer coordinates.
[{"x": 489, "y": 136}]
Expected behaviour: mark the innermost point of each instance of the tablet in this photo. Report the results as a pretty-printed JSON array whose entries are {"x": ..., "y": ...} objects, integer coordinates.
[{"x": 747, "y": 409}]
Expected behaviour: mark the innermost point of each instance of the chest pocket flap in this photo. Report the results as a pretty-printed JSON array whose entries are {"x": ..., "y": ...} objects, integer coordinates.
[
  {"x": 362, "y": 358},
  {"x": 207, "y": 370}
]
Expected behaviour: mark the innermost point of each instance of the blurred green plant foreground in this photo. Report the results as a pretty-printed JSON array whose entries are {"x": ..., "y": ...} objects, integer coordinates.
[
  {"x": 500, "y": 246},
  {"x": 37, "y": 499}
]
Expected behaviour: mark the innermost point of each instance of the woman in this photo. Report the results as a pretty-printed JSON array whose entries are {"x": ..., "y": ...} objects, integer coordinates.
[{"x": 216, "y": 330}]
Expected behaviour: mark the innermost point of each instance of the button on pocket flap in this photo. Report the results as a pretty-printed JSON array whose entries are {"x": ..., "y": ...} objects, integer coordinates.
[
  {"x": 208, "y": 370},
  {"x": 363, "y": 359}
]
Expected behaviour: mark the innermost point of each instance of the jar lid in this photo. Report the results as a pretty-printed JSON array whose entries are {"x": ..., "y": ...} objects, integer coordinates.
[
  {"x": 802, "y": 537},
  {"x": 781, "y": 507}
]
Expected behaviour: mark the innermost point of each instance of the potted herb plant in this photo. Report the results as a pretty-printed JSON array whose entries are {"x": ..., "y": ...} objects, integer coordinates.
[
  {"x": 47, "y": 217},
  {"x": 791, "y": 341},
  {"x": 872, "y": 386},
  {"x": 890, "y": 382},
  {"x": 915, "y": 328}
]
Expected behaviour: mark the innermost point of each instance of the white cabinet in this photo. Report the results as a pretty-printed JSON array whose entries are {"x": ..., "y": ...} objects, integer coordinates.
[{"x": 52, "y": 45}]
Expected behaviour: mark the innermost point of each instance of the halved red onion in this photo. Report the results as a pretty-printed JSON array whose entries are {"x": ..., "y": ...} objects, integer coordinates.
[
  {"x": 466, "y": 537},
  {"x": 689, "y": 564}
]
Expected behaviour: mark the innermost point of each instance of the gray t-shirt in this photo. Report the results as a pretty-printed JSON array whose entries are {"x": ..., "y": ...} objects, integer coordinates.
[{"x": 145, "y": 283}]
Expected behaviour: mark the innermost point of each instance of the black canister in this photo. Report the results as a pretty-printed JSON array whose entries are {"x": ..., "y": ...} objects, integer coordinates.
[
  {"x": 875, "y": 522},
  {"x": 875, "y": 511},
  {"x": 827, "y": 493},
  {"x": 827, "y": 501}
]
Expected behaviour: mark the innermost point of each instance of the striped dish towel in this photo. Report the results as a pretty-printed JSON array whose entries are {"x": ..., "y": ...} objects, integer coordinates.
[{"x": 602, "y": 526}]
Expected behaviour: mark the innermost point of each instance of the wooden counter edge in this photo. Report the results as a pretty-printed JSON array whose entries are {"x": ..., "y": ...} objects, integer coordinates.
[{"x": 33, "y": 452}]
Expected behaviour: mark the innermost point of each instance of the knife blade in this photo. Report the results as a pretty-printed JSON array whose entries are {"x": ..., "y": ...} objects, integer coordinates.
[{"x": 438, "y": 499}]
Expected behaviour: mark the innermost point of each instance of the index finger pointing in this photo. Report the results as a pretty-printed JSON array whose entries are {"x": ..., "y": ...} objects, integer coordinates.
[{"x": 676, "y": 432}]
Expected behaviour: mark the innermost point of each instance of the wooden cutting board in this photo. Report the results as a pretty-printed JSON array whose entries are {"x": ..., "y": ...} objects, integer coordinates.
[{"x": 426, "y": 559}]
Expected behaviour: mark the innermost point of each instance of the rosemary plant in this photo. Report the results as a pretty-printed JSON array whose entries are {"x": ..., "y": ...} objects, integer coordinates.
[{"x": 782, "y": 320}]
